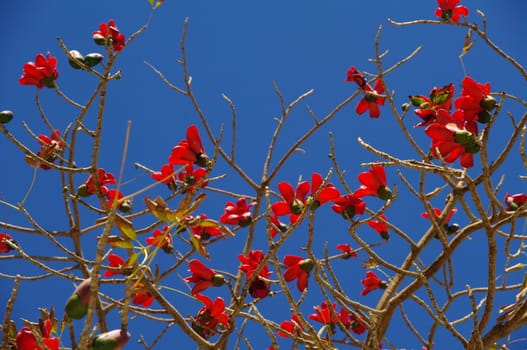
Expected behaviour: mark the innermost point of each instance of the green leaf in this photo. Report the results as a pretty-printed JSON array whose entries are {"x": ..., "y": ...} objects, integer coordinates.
[{"x": 120, "y": 242}]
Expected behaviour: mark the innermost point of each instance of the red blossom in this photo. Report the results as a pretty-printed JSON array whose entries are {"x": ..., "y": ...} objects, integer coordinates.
[
  {"x": 89, "y": 188},
  {"x": 49, "y": 149},
  {"x": 293, "y": 327},
  {"x": 298, "y": 268},
  {"x": 260, "y": 286},
  {"x": 374, "y": 183},
  {"x": 141, "y": 295},
  {"x": 202, "y": 232},
  {"x": 238, "y": 214},
  {"x": 161, "y": 239},
  {"x": 166, "y": 176},
  {"x": 352, "y": 322},
  {"x": 346, "y": 248},
  {"x": 349, "y": 205},
  {"x": 324, "y": 314},
  {"x": 191, "y": 178},
  {"x": 116, "y": 196},
  {"x": 276, "y": 226},
  {"x": 203, "y": 277},
  {"x": 353, "y": 75},
  {"x": 109, "y": 35},
  {"x": 476, "y": 101},
  {"x": 515, "y": 201},
  {"x": 42, "y": 72},
  {"x": 372, "y": 100},
  {"x": 26, "y": 340},
  {"x": 448, "y": 10},
  {"x": 296, "y": 200},
  {"x": 428, "y": 107},
  {"x": 210, "y": 316},
  {"x": 449, "y": 228},
  {"x": 117, "y": 262},
  {"x": 4, "y": 246},
  {"x": 380, "y": 226},
  {"x": 372, "y": 282},
  {"x": 190, "y": 150},
  {"x": 451, "y": 142}
]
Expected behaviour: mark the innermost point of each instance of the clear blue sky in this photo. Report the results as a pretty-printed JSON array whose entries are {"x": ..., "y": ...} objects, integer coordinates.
[{"x": 239, "y": 49}]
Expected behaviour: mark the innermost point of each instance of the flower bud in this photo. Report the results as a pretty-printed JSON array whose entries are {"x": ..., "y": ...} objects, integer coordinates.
[
  {"x": 488, "y": 103},
  {"x": 82, "y": 191},
  {"x": 112, "y": 340},
  {"x": 93, "y": 59},
  {"x": 6, "y": 116},
  {"x": 405, "y": 107},
  {"x": 78, "y": 56},
  {"x": 484, "y": 116},
  {"x": 99, "y": 39},
  {"x": 77, "y": 305}
]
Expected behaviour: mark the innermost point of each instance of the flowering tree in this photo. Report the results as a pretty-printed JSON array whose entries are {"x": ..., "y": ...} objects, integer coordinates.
[{"x": 156, "y": 262}]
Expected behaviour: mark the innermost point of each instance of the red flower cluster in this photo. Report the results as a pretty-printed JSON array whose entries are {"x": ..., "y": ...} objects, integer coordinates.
[
  {"x": 515, "y": 201},
  {"x": 42, "y": 72},
  {"x": 295, "y": 201},
  {"x": 4, "y": 238},
  {"x": 210, "y": 316},
  {"x": 454, "y": 134},
  {"x": 203, "y": 277},
  {"x": 161, "y": 239},
  {"x": 109, "y": 35},
  {"x": 372, "y": 96},
  {"x": 238, "y": 214},
  {"x": 330, "y": 317},
  {"x": 26, "y": 340},
  {"x": 88, "y": 187},
  {"x": 49, "y": 150},
  {"x": 259, "y": 287},
  {"x": 298, "y": 268},
  {"x": 372, "y": 282},
  {"x": 448, "y": 10}
]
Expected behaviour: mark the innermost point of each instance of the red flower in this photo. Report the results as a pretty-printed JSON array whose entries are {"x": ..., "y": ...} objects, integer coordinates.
[
  {"x": 191, "y": 178},
  {"x": 237, "y": 214},
  {"x": 448, "y": 10},
  {"x": 114, "y": 195},
  {"x": 353, "y": 75},
  {"x": 475, "y": 101},
  {"x": 26, "y": 340},
  {"x": 4, "y": 247},
  {"x": 141, "y": 296},
  {"x": 276, "y": 226},
  {"x": 88, "y": 187},
  {"x": 203, "y": 277},
  {"x": 161, "y": 239},
  {"x": 349, "y": 205},
  {"x": 50, "y": 147},
  {"x": 324, "y": 315},
  {"x": 210, "y": 316},
  {"x": 451, "y": 142},
  {"x": 440, "y": 99},
  {"x": 42, "y": 72},
  {"x": 298, "y": 268},
  {"x": 109, "y": 35},
  {"x": 203, "y": 232},
  {"x": 294, "y": 327},
  {"x": 513, "y": 201},
  {"x": 259, "y": 287},
  {"x": 117, "y": 262},
  {"x": 295, "y": 201},
  {"x": 351, "y": 322},
  {"x": 166, "y": 176},
  {"x": 372, "y": 100},
  {"x": 374, "y": 183},
  {"x": 450, "y": 229},
  {"x": 189, "y": 150},
  {"x": 346, "y": 248},
  {"x": 372, "y": 282},
  {"x": 380, "y": 226}
]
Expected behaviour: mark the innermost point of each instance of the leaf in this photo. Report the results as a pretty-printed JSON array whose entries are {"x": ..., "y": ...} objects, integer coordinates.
[
  {"x": 160, "y": 210},
  {"x": 198, "y": 246},
  {"x": 125, "y": 226},
  {"x": 186, "y": 208},
  {"x": 468, "y": 43},
  {"x": 117, "y": 241}
]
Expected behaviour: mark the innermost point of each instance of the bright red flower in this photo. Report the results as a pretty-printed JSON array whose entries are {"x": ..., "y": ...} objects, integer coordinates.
[
  {"x": 49, "y": 149},
  {"x": 450, "y": 229},
  {"x": 117, "y": 262},
  {"x": 276, "y": 226},
  {"x": 238, "y": 214},
  {"x": 349, "y": 205},
  {"x": 210, "y": 316},
  {"x": 26, "y": 340},
  {"x": 141, "y": 295},
  {"x": 161, "y": 239},
  {"x": 203, "y": 277},
  {"x": 88, "y": 187},
  {"x": 114, "y": 195},
  {"x": 476, "y": 101},
  {"x": 191, "y": 178},
  {"x": 293, "y": 327},
  {"x": 346, "y": 248},
  {"x": 190, "y": 150},
  {"x": 380, "y": 226},
  {"x": 42, "y": 72},
  {"x": 451, "y": 142},
  {"x": 298, "y": 268},
  {"x": 372, "y": 282},
  {"x": 428, "y": 108},
  {"x": 109, "y": 35},
  {"x": 448, "y": 10},
  {"x": 374, "y": 183},
  {"x": 295, "y": 201},
  {"x": 351, "y": 322},
  {"x": 260, "y": 286},
  {"x": 353, "y": 75},
  {"x": 324, "y": 315},
  {"x": 515, "y": 201},
  {"x": 166, "y": 176},
  {"x": 372, "y": 100},
  {"x": 4, "y": 247},
  {"x": 202, "y": 232}
]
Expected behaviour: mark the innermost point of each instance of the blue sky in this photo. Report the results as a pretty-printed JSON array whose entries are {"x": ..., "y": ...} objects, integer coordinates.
[{"x": 239, "y": 49}]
